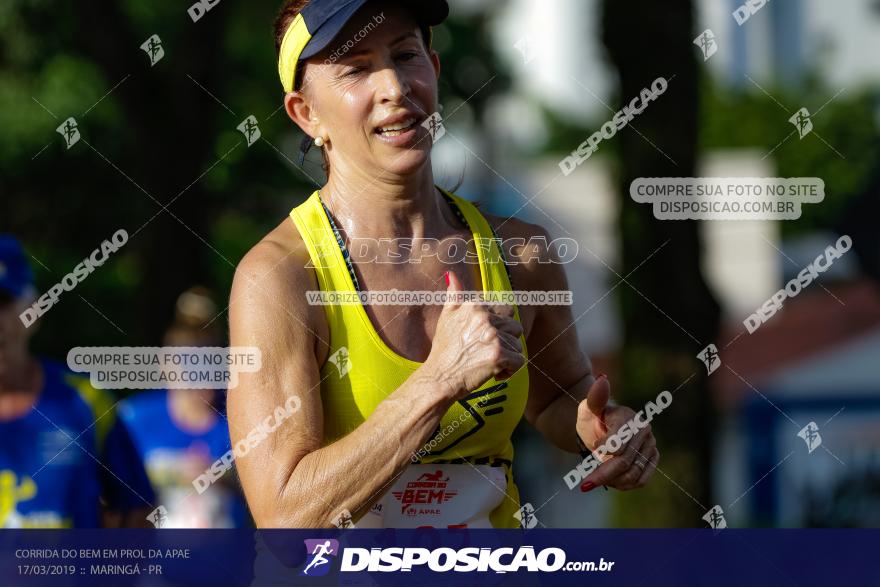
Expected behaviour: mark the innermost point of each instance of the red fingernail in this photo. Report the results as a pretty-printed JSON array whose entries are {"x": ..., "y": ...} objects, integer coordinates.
[
  {"x": 601, "y": 376},
  {"x": 588, "y": 486},
  {"x": 446, "y": 277}
]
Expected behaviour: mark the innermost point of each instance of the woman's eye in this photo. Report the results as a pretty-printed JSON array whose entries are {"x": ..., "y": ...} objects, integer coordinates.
[
  {"x": 353, "y": 71},
  {"x": 408, "y": 55}
]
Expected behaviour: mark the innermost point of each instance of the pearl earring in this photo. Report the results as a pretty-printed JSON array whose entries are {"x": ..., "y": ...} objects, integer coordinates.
[{"x": 319, "y": 141}]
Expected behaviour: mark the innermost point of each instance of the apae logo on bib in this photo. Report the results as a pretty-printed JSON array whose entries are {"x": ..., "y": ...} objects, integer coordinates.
[{"x": 428, "y": 489}]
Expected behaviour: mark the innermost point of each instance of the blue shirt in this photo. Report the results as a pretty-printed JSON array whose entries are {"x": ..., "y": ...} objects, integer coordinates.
[
  {"x": 66, "y": 454},
  {"x": 175, "y": 457}
]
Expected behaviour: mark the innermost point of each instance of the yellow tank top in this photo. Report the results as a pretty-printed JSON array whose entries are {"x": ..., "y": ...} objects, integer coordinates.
[{"x": 464, "y": 475}]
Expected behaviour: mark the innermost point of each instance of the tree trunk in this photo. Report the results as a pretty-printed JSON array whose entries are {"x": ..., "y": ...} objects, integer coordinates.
[{"x": 670, "y": 315}]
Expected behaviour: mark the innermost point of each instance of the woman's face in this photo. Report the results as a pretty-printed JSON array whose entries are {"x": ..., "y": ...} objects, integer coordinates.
[{"x": 370, "y": 91}]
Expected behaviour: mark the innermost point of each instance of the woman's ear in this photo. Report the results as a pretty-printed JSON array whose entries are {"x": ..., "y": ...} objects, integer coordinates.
[
  {"x": 300, "y": 111},
  {"x": 435, "y": 61}
]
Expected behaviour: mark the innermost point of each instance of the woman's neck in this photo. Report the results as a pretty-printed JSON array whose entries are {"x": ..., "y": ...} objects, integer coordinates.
[{"x": 381, "y": 208}]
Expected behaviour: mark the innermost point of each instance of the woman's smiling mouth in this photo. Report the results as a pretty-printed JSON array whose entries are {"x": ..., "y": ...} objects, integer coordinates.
[
  {"x": 399, "y": 131},
  {"x": 393, "y": 130}
]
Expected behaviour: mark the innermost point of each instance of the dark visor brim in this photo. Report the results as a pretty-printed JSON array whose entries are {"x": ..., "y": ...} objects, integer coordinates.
[{"x": 427, "y": 12}]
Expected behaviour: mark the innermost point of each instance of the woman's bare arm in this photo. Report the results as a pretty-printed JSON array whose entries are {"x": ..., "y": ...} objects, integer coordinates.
[{"x": 561, "y": 379}]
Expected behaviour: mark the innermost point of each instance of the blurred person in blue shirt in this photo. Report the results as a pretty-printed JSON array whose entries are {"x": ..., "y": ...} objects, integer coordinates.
[
  {"x": 66, "y": 460},
  {"x": 179, "y": 433}
]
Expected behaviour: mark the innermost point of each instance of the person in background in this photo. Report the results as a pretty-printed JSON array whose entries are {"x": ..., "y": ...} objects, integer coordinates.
[
  {"x": 66, "y": 460},
  {"x": 179, "y": 433}
]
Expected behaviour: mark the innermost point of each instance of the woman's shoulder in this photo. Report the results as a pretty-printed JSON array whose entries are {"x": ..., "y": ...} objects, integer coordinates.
[
  {"x": 274, "y": 276},
  {"x": 513, "y": 227},
  {"x": 526, "y": 247},
  {"x": 280, "y": 255}
]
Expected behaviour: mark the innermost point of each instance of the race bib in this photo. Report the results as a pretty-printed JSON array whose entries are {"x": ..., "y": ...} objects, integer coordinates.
[{"x": 440, "y": 496}]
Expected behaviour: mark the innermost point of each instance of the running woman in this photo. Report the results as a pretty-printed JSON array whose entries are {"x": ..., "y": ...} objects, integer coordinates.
[{"x": 406, "y": 413}]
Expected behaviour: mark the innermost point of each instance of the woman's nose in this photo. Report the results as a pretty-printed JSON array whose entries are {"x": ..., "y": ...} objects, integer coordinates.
[{"x": 391, "y": 85}]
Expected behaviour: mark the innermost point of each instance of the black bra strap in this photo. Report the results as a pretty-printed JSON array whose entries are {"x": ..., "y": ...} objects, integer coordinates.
[
  {"x": 455, "y": 209},
  {"x": 339, "y": 241}
]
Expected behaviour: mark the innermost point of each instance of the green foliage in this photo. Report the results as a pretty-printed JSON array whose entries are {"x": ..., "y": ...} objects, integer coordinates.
[{"x": 842, "y": 149}]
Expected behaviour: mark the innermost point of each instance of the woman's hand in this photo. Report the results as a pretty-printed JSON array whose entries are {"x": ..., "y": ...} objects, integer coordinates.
[
  {"x": 633, "y": 463},
  {"x": 474, "y": 342}
]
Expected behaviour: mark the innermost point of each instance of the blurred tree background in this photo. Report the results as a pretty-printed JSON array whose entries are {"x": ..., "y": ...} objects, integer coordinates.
[
  {"x": 656, "y": 356},
  {"x": 696, "y": 115},
  {"x": 160, "y": 155}
]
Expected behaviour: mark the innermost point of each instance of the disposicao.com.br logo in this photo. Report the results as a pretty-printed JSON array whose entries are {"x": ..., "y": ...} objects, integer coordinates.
[
  {"x": 319, "y": 549},
  {"x": 468, "y": 559}
]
